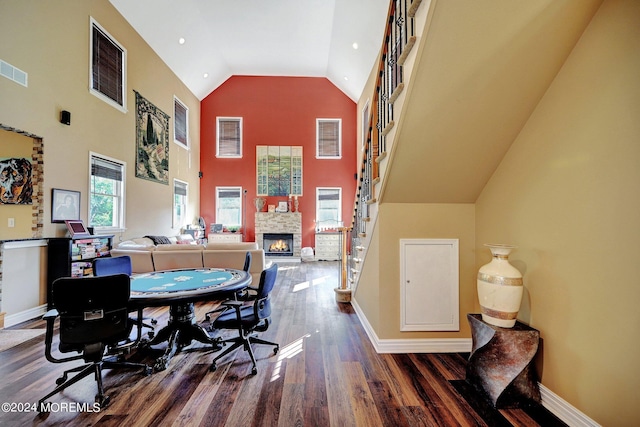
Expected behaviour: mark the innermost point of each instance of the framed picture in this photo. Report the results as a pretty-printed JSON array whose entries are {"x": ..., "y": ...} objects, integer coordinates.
[
  {"x": 216, "y": 228},
  {"x": 283, "y": 207},
  {"x": 77, "y": 228},
  {"x": 65, "y": 205},
  {"x": 272, "y": 208}
]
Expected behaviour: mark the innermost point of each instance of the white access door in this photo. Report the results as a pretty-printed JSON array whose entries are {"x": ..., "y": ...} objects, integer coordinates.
[{"x": 429, "y": 285}]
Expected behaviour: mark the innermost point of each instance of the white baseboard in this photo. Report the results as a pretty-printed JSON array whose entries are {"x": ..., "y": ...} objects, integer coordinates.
[
  {"x": 563, "y": 410},
  {"x": 23, "y": 316},
  {"x": 551, "y": 401},
  {"x": 282, "y": 259},
  {"x": 424, "y": 345}
]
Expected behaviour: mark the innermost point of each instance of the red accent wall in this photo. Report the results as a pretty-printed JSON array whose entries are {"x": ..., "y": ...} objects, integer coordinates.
[{"x": 278, "y": 111}]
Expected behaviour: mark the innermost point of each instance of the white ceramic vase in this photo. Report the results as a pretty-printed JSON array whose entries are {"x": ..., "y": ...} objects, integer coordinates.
[{"x": 500, "y": 288}]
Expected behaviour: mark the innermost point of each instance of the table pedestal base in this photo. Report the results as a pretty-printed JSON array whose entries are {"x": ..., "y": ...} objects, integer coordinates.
[
  {"x": 500, "y": 363},
  {"x": 180, "y": 332}
]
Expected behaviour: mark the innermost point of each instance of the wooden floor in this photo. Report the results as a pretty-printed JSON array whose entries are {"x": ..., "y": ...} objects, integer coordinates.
[{"x": 326, "y": 374}]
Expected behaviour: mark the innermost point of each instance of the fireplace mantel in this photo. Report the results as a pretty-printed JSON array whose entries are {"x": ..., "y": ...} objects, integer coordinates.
[{"x": 276, "y": 222}]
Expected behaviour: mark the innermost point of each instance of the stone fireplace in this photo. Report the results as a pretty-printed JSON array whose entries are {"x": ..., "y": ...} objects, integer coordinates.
[
  {"x": 277, "y": 244},
  {"x": 287, "y": 227}
]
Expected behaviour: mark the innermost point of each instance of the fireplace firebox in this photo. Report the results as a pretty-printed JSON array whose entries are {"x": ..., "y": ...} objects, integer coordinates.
[{"x": 278, "y": 244}]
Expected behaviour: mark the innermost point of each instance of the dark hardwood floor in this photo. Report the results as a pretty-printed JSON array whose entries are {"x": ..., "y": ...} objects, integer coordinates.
[{"x": 326, "y": 374}]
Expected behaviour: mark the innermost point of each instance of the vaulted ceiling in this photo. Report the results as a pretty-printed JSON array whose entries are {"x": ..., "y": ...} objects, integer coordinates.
[{"x": 309, "y": 38}]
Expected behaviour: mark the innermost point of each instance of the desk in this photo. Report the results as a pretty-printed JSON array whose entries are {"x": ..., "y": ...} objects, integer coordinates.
[
  {"x": 179, "y": 289},
  {"x": 501, "y": 362}
]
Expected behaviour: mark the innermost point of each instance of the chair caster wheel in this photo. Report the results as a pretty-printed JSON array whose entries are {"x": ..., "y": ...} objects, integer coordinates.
[
  {"x": 148, "y": 371},
  {"x": 61, "y": 380},
  {"x": 151, "y": 334},
  {"x": 275, "y": 350},
  {"x": 154, "y": 322},
  {"x": 254, "y": 371},
  {"x": 213, "y": 368}
]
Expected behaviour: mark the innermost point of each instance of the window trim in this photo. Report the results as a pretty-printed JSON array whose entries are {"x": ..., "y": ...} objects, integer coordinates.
[
  {"x": 122, "y": 208},
  {"x": 320, "y": 120},
  {"x": 228, "y": 188},
  {"x": 186, "y": 144},
  {"x": 218, "y": 120},
  {"x": 365, "y": 123},
  {"x": 123, "y": 108},
  {"x": 175, "y": 221},
  {"x": 319, "y": 226}
]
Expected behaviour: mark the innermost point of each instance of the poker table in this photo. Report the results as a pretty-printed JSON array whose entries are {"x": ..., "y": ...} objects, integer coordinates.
[{"x": 179, "y": 289}]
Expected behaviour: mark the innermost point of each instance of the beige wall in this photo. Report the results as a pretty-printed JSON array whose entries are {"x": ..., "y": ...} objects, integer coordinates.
[
  {"x": 50, "y": 41},
  {"x": 381, "y": 275},
  {"x": 567, "y": 193}
]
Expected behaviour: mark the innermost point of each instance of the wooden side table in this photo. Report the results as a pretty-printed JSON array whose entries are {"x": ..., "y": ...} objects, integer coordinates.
[{"x": 501, "y": 363}]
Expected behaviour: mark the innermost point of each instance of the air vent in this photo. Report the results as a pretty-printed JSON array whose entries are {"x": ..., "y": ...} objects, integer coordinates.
[{"x": 13, "y": 73}]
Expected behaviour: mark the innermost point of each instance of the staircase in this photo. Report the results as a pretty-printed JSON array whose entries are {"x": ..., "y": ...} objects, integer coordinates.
[{"x": 406, "y": 22}]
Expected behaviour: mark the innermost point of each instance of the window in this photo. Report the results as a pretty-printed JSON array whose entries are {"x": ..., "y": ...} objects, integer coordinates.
[
  {"x": 106, "y": 188},
  {"x": 229, "y": 137},
  {"x": 279, "y": 170},
  {"x": 328, "y": 138},
  {"x": 328, "y": 208},
  {"x": 180, "y": 123},
  {"x": 229, "y": 206},
  {"x": 180, "y": 192},
  {"x": 107, "y": 68}
]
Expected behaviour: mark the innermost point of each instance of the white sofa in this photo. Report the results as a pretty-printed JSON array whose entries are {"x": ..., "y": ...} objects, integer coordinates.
[{"x": 146, "y": 257}]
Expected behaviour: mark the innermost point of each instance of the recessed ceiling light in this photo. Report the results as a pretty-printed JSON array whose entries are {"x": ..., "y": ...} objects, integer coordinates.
[
  {"x": 346, "y": 78},
  {"x": 181, "y": 40},
  {"x": 355, "y": 45},
  {"x": 205, "y": 75}
]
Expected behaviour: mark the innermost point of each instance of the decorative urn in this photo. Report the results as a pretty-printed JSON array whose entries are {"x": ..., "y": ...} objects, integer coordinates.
[{"x": 500, "y": 288}]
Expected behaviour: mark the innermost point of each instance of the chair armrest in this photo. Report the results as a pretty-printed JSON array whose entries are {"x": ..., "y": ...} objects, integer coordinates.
[
  {"x": 51, "y": 314},
  {"x": 247, "y": 294}
]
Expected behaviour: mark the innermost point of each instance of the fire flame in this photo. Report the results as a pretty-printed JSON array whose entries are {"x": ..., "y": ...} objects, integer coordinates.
[{"x": 279, "y": 246}]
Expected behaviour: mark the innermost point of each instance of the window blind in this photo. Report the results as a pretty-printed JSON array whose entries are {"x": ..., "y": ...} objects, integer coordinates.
[
  {"x": 328, "y": 138},
  {"x": 180, "y": 122},
  {"x": 180, "y": 188},
  {"x": 229, "y": 138},
  {"x": 107, "y": 66},
  {"x": 105, "y": 169}
]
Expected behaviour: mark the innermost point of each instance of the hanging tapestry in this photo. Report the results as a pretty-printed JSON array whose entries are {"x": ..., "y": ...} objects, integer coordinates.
[
  {"x": 279, "y": 170},
  {"x": 16, "y": 187},
  {"x": 152, "y": 142}
]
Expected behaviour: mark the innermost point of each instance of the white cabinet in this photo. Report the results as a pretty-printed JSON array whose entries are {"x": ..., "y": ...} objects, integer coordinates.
[
  {"x": 327, "y": 246},
  {"x": 225, "y": 237}
]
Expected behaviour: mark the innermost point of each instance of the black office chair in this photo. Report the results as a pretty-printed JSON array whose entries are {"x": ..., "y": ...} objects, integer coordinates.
[
  {"x": 242, "y": 295},
  {"x": 106, "y": 266},
  {"x": 249, "y": 319},
  {"x": 93, "y": 317}
]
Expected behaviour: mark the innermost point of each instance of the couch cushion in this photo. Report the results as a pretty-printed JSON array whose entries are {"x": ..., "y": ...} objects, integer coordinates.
[
  {"x": 179, "y": 247},
  {"x": 140, "y": 244},
  {"x": 185, "y": 238},
  {"x": 141, "y": 260},
  {"x": 173, "y": 260},
  {"x": 238, "y": 246}
]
